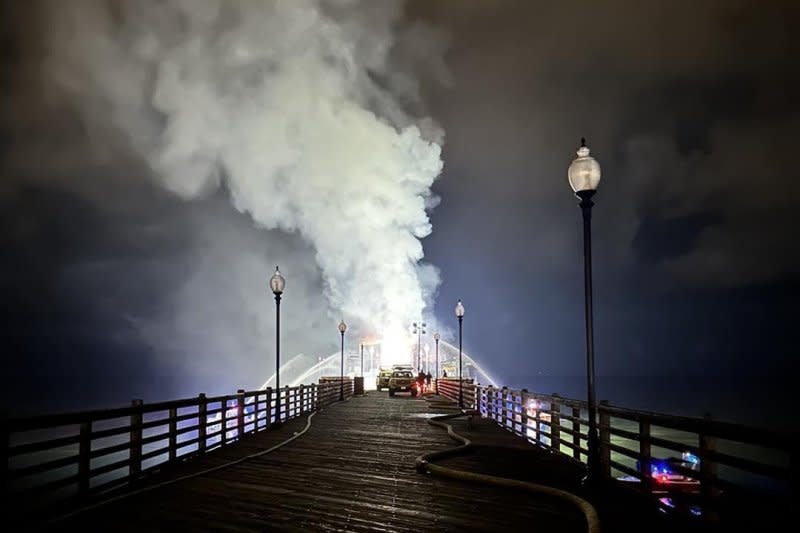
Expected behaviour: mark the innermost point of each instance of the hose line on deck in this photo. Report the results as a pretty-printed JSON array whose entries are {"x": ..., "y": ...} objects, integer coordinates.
[
  {"x": 188, "y": 476},
  {"x": 424, "y": 464}
]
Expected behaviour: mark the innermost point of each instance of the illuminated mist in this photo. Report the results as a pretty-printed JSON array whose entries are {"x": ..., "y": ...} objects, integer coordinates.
[{"x": 292, "y": 107}]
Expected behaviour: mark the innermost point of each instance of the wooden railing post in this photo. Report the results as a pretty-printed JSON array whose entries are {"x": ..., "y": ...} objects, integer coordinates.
[
  {"x": 576, "y": 433},
  {"x": 268, "y": 406},
  {"x": 555, "y": 423},
  {"x": 255, "y": 411},
  {"x": 173, "y": 434},
  {"x": 202, "y": 422},
  {"x": 605, "y": 440},
  {"x": 500, "y": 409},
  {"x": 498, "y": 414},
  {"x": 299, "y": 410},
  {"x": 708, "y": 468},
  {"x": 495, "y": 394},
  {"x": 284, "y": 403},
  {"x": 315, "y": 396},
  {"x": 523, "y": 402},
  {"x": 504, "y": 408},
  {"x": 84, "y": 449},
  {"x": 223, "y": 405},
  {"x": 514, "y": 411},
  {"x": 302, "y": 399},
  {"x": 135, "y": 468},
  {"x": 239, "y": 413},
  {"x": 645, "y": 455}
]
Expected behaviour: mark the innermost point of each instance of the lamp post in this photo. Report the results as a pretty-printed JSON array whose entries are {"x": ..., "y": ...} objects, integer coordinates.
[
  {"x": 460, "y": 315},
  {"x": 342, "y": 329},
  {"x": 277, "y": 284},
  {"x": 436, "y": 338},
  {"x": 362, "y": 359},
  {"x": 419, "y": 329},
  {"x": 584, "y": 177}
]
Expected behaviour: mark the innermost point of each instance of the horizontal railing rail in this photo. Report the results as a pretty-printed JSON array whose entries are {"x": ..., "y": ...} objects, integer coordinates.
[
  {"x": 56, "y": 459},
  {"x": 449, "y": 388},
  {"x": 689, "y": 464}
]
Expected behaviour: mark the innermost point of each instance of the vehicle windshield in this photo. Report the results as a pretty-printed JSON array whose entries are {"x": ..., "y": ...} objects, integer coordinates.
[{"x": 401, "y": 375}]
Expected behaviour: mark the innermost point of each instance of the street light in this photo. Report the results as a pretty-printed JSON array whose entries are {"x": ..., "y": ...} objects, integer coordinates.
[
  {"x": 460, "y": 315},
  {"x": 419, "y": 330},
  {"x": 584, "y": 177},
  {"x": 362, "y": 359},
  {"x": 342, "y": 329},
  {"x": 277, "y": 284},
  {"x": 436, "y": 337}
]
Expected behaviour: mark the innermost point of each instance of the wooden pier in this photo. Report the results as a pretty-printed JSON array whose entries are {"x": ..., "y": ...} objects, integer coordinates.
[
  {"x": 349, "y": 466},
  {"x": 353, "y": 470}
]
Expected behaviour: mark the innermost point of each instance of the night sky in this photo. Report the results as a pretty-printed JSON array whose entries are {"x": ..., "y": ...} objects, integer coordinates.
[{"x": 691, "y": 109}]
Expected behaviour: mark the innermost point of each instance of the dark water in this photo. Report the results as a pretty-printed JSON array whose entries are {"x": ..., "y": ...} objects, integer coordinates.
[{"x": 758, "y": 401}]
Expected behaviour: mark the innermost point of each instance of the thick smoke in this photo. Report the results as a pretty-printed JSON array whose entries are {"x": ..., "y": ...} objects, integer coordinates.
[{"x": 289, "y": 106}]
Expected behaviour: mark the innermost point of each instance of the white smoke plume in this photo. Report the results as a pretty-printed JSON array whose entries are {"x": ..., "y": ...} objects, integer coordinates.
[{"x": 288, "y": 105}]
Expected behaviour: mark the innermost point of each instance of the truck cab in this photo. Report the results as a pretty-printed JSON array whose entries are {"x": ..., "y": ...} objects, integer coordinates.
[{"x": 401, "y": 380}]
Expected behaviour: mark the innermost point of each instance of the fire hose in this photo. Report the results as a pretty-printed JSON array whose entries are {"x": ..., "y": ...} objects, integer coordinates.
[{"x": 424, "y": 463}]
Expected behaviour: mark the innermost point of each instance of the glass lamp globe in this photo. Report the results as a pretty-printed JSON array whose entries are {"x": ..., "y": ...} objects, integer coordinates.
[
  {"x": 276, "y": 282},
  {"x": 459, "y": 309},
  {"x": 584, "y": 171},
  {"x": 342, "y": 327}
]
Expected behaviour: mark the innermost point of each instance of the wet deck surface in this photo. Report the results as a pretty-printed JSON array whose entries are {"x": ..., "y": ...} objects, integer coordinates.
[{"x": 353, "y": 470}]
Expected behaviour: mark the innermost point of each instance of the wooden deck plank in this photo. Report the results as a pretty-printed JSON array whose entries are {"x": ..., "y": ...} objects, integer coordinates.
[{"x": 353, "y": 471}]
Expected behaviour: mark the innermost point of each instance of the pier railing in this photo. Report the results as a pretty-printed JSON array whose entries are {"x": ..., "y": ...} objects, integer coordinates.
[
  {"x": 696, "y": 465},
  {"x": 55, "y": 458},
  {"x": 448, "y": 387}
]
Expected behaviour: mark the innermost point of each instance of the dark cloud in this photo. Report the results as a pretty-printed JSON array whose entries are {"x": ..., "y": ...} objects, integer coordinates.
[{"x": 691, "y": 110}]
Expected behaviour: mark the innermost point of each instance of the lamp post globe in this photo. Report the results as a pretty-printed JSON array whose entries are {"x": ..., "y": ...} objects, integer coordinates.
[
  {"x": 460, "y": 316},
  {"x": 342, "y": 329},
  {"x": 277, "y": 284},
  {"x": 584, "y": 177},
  {"x": 584, "y": 171}
]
